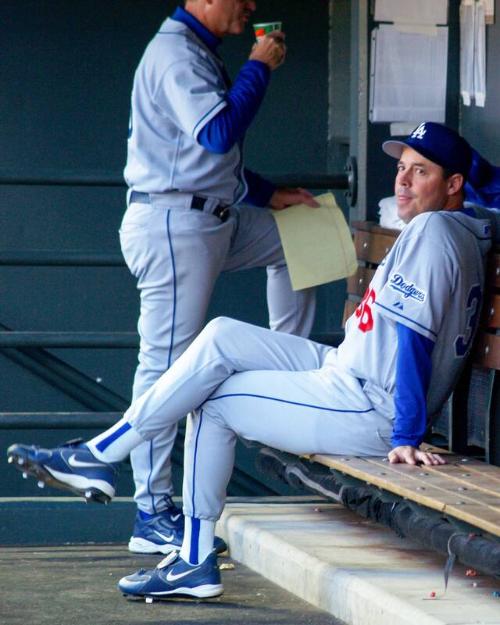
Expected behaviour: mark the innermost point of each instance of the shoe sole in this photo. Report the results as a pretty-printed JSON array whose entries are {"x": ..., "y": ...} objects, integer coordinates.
[
  {"x": 45, "y": 477},
  {"x": 200, "y": 592},
  {"x": 141, "y": 545}
]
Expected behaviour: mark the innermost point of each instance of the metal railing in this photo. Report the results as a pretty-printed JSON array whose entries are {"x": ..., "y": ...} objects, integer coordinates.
[
  {"x": 50, "y": 258},
  {"x": 77, "y": 340},
  {"x": 310, "y": 181},
  {"x": 57, "y": 420}
]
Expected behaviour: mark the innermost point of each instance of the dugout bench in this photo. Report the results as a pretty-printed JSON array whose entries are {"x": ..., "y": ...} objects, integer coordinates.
[{"x": 454, "y": 508}]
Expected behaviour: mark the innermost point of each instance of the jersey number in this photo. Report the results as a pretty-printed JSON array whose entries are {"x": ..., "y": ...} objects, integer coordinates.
[
  {"x": 463, "y": 341},
  {"x": 364, "y": 311}
]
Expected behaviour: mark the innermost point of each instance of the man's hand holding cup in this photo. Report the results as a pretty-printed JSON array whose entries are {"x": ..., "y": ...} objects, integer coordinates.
[{"x": 270, "y": 47}]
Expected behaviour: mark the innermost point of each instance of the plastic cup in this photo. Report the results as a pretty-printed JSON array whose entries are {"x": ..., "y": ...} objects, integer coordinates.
[{"x": 263, "y": 29}]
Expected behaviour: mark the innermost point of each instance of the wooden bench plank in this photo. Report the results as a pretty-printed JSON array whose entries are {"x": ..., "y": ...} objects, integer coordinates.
[
  {"x": 375, "y": 228},
  {"x": 357, "y": 284},
  {"x": 454, "y": 462},
  {"x": 362, "y": 470},
  {"x": 415, "y": 483},
  {"x": 444, "y": 487},
  {"x": 470, "y": 480},
  {"x": 471, "y": 506},
  {"x": 477, "y": 516},
  {"x": 371, "y": 247},
  {"x": 486, "y": 351},
  {"x": 492, "y": 311},
  {"x": 471, "y": 469},
  {"x": 493, "y": 275},
  {"x": 440, "y": 488}
]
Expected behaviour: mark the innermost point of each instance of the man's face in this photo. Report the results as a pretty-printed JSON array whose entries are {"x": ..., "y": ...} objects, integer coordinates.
[
  {"x": 420, "y": 185},
  {"x": 229, "y": 17}
]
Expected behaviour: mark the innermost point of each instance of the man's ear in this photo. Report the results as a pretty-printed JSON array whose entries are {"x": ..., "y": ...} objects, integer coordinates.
[{"x": 455, "y": 183}]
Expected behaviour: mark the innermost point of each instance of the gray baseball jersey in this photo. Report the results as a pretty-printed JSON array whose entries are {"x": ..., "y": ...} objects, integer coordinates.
[
  {"x": 179, "y": 87},
  {"x": 439, "y": 298}
]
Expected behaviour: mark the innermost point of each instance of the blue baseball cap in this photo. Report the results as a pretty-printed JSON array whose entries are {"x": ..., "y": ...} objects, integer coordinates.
[{"x": 439, "y": 144}]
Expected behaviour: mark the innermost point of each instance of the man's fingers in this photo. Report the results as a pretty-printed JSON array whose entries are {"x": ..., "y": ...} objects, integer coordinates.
[
  {"x": 410, "y": 455},
  {"x": 302, "y": 196},
  {"x": 308, "y": 198},
  {"x": 270, "y": 50},
  {"x": 430, "y": 459},
  {"x": 284, "y": 197},
  {"x": 395, "y": 457},
  {"x": 279, "y": 35},
  {"x": 402, "y": 454},
  {"x": 310, "y": 201},
  {"x": 437, "y": 459},
  {"x": 426, "y": 460}
]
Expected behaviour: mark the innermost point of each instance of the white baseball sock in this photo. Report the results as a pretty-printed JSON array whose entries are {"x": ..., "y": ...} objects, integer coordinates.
[
  {"x": 115, "y": 443},
  {"x": 198, "y": 540}
]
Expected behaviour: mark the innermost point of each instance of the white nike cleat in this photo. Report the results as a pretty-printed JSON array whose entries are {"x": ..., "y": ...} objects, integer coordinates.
[
  {"x": 175, "y": 577},
  {"x": 162, "y": 532},
  {"x": 70, "y": 467}
]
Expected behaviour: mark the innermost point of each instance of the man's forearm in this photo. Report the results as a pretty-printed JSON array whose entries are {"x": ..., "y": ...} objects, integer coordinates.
[
  {"x": 413, "y": 373},
  {"x": 259, "y": 191},
  {"x": 244, "y": 98}
]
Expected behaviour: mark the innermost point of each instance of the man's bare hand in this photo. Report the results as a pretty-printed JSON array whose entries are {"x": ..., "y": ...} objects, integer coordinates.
[
  {"x": 412, "y": 455},
  {"x": 270, "y": 50},
  {"x": 284, "y": 197}
]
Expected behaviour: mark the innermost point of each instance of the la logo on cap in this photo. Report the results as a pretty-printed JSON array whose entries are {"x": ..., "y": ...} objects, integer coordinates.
[{"x": 419, "y": 132}]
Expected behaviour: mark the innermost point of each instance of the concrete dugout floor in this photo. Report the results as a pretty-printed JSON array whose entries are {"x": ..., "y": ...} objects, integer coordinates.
[
  {"x": 76, "y": 585},
  {"x": 360, "y": 572}
]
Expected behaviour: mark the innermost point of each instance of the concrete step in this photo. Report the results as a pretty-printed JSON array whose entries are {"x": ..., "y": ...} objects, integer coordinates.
[{"x": 358, "y": 571}]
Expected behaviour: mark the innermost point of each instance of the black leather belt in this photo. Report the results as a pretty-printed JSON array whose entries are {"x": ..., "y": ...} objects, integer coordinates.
[{"x": 197, "y": 203}]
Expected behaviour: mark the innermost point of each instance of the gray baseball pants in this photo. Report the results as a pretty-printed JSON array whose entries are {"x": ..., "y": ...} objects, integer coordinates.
[
  {"x": 177, "y": 254},
  {"x": 284, "y": 391}
]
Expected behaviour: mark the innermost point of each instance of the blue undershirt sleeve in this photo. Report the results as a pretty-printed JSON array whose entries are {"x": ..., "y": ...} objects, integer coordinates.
[
  {"x": 413, "y": 374},
  {"x": 259, "y": 190},
  {"x": 244, "y": 98}
]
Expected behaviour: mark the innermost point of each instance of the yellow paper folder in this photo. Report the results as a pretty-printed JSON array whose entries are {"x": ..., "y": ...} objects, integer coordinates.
[{"x": 317, "y": 243}]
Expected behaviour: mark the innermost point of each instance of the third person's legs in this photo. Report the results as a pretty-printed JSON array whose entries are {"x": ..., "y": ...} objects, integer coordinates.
[{"x": 176, "y": 256}]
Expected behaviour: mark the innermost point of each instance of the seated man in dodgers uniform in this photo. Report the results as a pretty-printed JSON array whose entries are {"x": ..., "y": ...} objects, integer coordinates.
[{"x": 404, "y": 348}]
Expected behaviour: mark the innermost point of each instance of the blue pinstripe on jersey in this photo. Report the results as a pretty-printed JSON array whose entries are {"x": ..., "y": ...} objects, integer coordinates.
[{"x": 393, "y": 312}]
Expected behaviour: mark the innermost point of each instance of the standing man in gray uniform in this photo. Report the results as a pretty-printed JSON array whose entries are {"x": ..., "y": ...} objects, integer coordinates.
[{"x": 194, "y": 211}]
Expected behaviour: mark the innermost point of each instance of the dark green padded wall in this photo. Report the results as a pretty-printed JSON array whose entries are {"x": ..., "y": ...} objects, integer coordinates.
[{"x": 66, "y": 75}]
